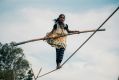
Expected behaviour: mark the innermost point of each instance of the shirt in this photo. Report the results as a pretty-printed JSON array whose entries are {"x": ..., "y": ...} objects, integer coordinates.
[{"x": 59, "y": 30}]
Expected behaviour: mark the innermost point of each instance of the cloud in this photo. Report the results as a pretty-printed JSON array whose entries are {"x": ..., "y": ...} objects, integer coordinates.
[{"x": 97, "y": 60}]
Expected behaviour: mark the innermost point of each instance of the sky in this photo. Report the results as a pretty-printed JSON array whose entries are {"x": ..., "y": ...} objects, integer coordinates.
[{"x": 98, "y": 59}]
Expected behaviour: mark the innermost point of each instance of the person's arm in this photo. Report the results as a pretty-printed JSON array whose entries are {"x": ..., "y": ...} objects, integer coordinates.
[{"x": 71, "y": 31}]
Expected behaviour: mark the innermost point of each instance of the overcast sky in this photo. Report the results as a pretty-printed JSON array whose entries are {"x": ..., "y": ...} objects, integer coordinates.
[{"x": 22, "y": 20}]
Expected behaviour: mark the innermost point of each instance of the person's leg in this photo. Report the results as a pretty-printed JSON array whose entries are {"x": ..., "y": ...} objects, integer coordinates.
[{"x": 59, "y": 56}]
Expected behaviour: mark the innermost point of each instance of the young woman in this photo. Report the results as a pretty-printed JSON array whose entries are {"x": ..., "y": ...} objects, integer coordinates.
[{"x": 59, "y": 29}]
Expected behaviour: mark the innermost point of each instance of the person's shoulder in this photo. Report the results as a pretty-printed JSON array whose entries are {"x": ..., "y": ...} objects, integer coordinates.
[
  {"x": 66, "y": 25},
  {"x": 55, "y": 26}
]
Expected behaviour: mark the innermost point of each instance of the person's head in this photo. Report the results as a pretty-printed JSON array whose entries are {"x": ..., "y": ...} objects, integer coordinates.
[{"x": 61, "y": 18}]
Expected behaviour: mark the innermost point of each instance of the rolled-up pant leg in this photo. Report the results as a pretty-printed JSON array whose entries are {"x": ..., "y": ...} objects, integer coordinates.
[{"x": 59, "y": 54}]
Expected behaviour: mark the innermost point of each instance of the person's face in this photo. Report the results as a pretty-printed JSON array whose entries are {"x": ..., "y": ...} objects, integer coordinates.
[{"x": 62, "y": 18}]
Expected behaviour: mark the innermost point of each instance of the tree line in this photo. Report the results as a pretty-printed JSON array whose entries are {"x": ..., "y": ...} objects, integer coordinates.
[{"x": 13, "y": 65}]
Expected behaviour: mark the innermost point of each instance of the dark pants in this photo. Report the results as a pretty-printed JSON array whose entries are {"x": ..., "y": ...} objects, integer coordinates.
[{"x": 59, "y": 55}]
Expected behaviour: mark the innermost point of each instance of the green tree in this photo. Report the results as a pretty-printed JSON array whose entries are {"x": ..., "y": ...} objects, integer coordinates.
[{"x": 13, "y": 65}]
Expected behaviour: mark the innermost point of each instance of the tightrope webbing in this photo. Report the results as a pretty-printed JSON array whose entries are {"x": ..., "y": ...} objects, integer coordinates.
[
  {"x": 91, "y": 35},
  {"x": 83, "y": 43}
]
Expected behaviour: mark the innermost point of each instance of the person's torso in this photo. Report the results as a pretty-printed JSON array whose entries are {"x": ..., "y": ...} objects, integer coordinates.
[
  {"x": 61, "y": 41},
  {"x": 60, "y": 30}
]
